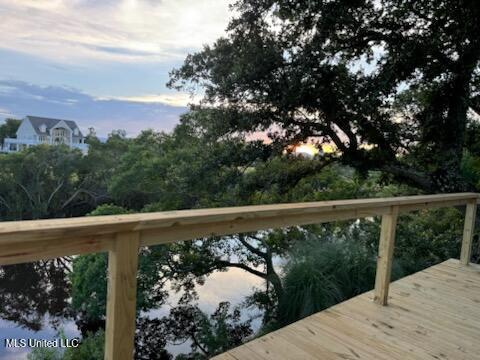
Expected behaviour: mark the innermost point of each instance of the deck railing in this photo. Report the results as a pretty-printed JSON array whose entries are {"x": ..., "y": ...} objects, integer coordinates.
[{"x": 122, "y": 236}]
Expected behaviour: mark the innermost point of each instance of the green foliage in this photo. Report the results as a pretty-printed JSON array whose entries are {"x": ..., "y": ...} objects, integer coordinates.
[
  {"x": 9, "y": 129},
  {"x": 269, "y": 83},
  {"x": 32, "y": 291},
  {"x": 297, "y": 69},
  {"x": 89, "y": 287},
  {"x": 210, "y": 335},
  {"x": 470, "y": 168},
  {"x": 472, "y": 136},
  {"x": 164, "y": 169},
  {"x": 320, "y": 274},
  {"x": 34, "y": 189},
  {"x": 90, "y": 348},
  {"x": 109, "y": 209},
  {"x": 45, "y": 182},
  {"x": 103, "y": 160},
  {"x": 159, "y": 171},
  {"x": 45, "y": 354},
  {"x": 89, "y": 281},
  {"x": 428, "y": 237}
]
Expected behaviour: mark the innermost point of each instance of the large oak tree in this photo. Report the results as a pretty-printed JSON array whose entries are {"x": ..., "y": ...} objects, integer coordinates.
[{"x": 389, "y": 82}]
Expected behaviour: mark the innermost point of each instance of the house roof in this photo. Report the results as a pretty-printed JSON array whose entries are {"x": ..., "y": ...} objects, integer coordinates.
[{"x": 50, "y": 123}]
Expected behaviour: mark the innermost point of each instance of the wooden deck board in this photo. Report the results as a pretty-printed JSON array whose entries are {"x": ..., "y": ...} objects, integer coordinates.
[{"x": 433, "y": 314}]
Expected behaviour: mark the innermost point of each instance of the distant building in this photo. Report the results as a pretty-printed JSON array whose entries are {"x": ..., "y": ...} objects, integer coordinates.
[{"x": 37, "y": 130}]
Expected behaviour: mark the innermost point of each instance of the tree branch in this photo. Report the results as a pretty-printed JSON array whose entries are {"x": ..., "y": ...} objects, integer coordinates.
[
  {"x": 251, "y": 248},
  {"x": 54, "y": 192},
  {"x": 475, "y": 104},
  {"x": 411, "y": 176},
  {"x": 260, "y": 274}
]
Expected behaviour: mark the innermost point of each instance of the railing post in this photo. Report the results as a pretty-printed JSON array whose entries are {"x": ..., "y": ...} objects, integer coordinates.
[
  {"x": 385, "y": 256},
  {"x": 121, "y": 297},
  {"x": 468, "y": 228}
]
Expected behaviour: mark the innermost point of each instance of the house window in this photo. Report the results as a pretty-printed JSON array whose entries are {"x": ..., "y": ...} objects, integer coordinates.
[
  {"x": 13, "y": 147},
  {"x": 43, "y": 138},
  {"x": 60, "y": 136}
]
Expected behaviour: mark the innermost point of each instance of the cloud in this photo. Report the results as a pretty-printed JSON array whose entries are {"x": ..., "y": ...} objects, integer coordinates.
[
  {"x": 122, "y": 51},
  {"x": 18, "y": 98},
  {"x": 72, "y": 31},
  {"x": 5, "y": 113},
  {"x": 173, "y": 99}
]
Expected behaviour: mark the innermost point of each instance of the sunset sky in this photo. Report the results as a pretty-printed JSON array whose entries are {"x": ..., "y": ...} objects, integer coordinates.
[{"x": 102, "y": 63}]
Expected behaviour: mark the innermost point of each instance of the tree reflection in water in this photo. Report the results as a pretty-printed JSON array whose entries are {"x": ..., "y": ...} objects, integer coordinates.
[
  {"x": 31, "y": 293},
  {"x": 36, "y": 294}
]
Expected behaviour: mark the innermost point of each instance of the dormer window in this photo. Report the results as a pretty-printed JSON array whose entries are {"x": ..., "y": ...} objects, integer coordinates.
[{"x": 43, "y": 128}]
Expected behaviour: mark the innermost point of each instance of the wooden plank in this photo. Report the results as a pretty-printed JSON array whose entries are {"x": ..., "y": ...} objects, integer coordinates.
[
  {"x": 338, "y": 339},
  {"x": 38, "y": 230},
  {"x": 428, "y": 303},
  {"x": 385, "y": 256},
  {"x": 121, "y": 298},
  {"x": 180, "y": 232},
  {"x": 431, "y": 205},
  {"x": 469, "y": 226},
  {"x": 456, "y": 264},
  {"x": 19, "y": 252},
  {"x": 427, "y": 319},
  {"x": 390, "y": 326},
  {"x": 17, "y": 239},
  {"x": 272, "y": 347},
  {"x": 244, "y": 352},
  {"x": 362, "y": 340},
  {"x": 225, "y": 356},
  {"x": 50, "y": 249}
]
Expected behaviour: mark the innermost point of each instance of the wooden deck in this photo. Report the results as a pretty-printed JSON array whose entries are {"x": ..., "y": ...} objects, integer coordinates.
[
  {"x": 433, "y": 314},
  {"x": 352, "y": 330}
]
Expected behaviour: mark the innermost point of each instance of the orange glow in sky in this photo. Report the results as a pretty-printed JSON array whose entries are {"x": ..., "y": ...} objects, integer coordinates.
[
  {"x": 312, "y": 150},
  {"x": 308, "y": 149}
]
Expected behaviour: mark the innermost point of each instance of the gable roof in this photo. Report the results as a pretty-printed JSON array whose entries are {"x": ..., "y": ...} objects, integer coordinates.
[{"x": 50, "y": 123}]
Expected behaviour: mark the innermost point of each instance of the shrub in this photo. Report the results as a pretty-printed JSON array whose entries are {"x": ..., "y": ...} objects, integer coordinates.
[{"x": 321, "y": 274}]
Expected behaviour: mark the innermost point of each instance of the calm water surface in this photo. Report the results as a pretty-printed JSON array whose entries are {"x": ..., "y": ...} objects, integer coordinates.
[{"x": 232, "y": 285}]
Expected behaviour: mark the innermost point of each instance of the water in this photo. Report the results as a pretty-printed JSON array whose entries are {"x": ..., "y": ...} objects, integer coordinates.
[{"x": 232, "y": 285}]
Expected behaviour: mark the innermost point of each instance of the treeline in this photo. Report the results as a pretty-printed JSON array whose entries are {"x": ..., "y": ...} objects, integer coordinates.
[
  {"x": 392, "y": 86},
  {"x": 190, "y": 168}
]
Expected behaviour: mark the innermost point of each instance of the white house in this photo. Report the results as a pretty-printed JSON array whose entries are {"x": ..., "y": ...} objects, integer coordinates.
[{"x": 37, "y": 130}]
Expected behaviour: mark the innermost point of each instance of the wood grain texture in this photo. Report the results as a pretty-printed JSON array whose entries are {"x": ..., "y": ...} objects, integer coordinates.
[
  {"x": 385, "y": 256},
  {"x": 469, "y": 226},
  {"x": 433, "y": 314},
  {"x": 49, "y": 249},
  {"x": 248, "y": 217},
  {"x": 121, "y": 236},
  {"x": 121, "y": 297}
]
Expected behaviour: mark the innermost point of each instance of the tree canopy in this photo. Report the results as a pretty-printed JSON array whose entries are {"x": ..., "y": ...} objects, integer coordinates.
[
  {"x": 8, "y": 129},
  {"x": 389, "y": 83},
  {"x": 392, "y": 85}
]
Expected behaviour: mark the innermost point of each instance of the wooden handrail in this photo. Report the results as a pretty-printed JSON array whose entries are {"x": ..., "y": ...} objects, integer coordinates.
[
  {"x": 26, "y": 241},
  {"x": 123, "y": 235}
]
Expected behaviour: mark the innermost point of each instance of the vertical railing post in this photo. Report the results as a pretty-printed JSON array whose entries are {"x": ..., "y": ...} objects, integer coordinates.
[
  {"x": 468, "y": 228},
  {"x": 121, "y": 297},
  {"x": 385, "y": 256}
]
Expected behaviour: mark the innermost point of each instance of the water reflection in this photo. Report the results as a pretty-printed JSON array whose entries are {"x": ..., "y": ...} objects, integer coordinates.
[
  {"x": 28, "y": 292},
  {"x": 11, "y": 330},
  {"x": 34, "y": 302}
]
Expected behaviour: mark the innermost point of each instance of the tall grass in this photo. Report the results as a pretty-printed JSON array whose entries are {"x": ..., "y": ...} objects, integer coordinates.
[{"x": 321, "y": 274}]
